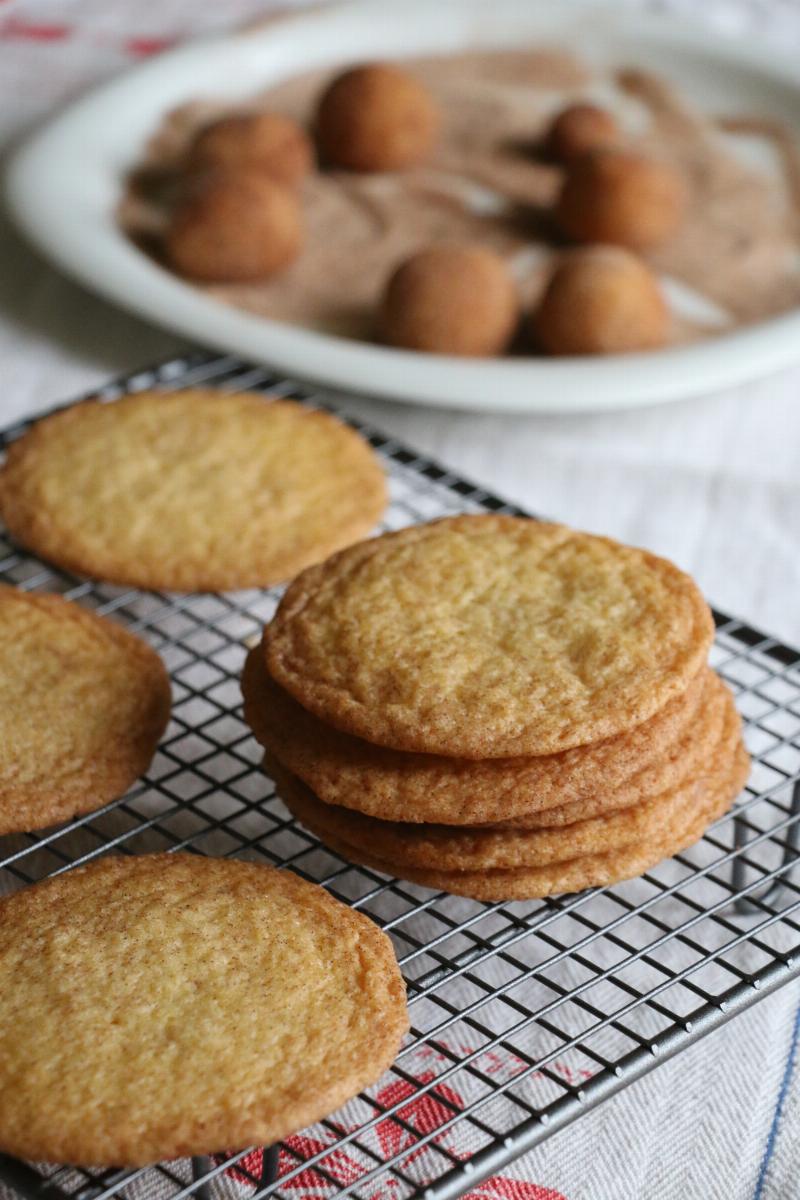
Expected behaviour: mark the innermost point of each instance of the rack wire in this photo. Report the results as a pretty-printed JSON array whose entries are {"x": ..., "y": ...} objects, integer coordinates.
[{"x": 524, "y": 1015}]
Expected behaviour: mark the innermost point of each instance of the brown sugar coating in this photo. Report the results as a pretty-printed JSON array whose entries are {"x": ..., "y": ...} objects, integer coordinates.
[
  {"x": 376, "y": 118},
  {"x": 578, "y": 129},
  {"x": 621, "y": 197},
  {"x": 266, "y": 141},
  {"x": 601, "y": 300},
  {"x": 735, "y": 248},
  {"x": 450, "y": 300},
  {"x": 234, "y": 226}
]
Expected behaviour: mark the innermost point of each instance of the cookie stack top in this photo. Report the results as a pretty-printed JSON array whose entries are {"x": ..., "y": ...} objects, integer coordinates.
[{"x": 484, "y": 637}]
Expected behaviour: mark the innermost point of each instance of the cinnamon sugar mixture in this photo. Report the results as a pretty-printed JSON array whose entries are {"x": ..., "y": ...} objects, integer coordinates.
[{"x": 734, "y": 261}]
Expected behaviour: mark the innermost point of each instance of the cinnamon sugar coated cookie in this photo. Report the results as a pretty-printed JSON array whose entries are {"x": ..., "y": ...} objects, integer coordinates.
[
  {"x": 234, "y": 225},
  {"x": 190, "y": 491},
  {"x": 621, "y": 197},
  {"x": 601, "y": 300},
  {"x": 376, "y": 117},
  {"x": 400, "y": 786},
  {"x": 237, "y": 1004},
  {"x": 488, "y": 637},
  {"x": 83, "y": 703},
  {"x": 451, "y": 300},
  {"x": 265, "y": 141},
  {"x": 578, "y": 129}
]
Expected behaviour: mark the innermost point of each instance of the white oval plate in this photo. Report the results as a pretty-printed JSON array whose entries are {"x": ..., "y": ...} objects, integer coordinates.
[{"x": 63, "y": 185}]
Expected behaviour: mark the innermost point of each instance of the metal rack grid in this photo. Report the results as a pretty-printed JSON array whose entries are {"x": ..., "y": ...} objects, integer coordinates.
[{"x": 524, "y": 1015}]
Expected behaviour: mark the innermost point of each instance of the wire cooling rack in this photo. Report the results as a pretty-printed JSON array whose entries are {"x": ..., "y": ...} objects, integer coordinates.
[{"x": 524, "y": 1015}]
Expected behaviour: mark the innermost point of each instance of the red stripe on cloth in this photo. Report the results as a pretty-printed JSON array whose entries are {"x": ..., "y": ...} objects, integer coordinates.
[
  {"x": 31, "y": 31},
  {"x": 342, "y": 1167},
  {"x": 141, "y": 47}
]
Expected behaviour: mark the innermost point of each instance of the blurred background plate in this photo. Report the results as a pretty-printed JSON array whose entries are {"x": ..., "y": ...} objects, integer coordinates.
[{"x": 63, "y": 185}]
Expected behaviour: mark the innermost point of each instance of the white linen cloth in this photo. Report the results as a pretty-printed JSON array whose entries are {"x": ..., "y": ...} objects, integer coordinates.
[{"x": 714, "y": 483}]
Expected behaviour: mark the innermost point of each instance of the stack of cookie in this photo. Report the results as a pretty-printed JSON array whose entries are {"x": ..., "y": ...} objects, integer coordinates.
[{"x": 496, "y": 707}]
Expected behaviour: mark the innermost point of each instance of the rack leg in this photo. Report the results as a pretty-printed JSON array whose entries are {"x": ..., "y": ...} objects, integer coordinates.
[
  {"x": 269, "y": 1165},
  {"x": 743, "y": 904},
  {"x": 201, "y": 1165}
]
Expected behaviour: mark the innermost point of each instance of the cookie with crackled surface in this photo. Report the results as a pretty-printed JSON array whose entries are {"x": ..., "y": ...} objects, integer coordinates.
[
  {"x": 713, "y": 717},
  {"x": 398, "y": 785},
  {"x": 197, "y": 490},
  {"x": 235, "y": 1003},
  {"x": 489, "y": 637},
  {"x": 447, "y": 848},
  {"x": 83, "y": 703},
  {"x": 602, "y": 869}
]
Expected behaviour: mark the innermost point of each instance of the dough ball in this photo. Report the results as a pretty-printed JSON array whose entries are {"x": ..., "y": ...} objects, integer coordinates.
[
  {"x": 234, "y": 226},
  {"x": 376, "y": 118},
  {"x": 601, "y": 300},
  {"x": 578, "y": 129},
  {"x": 267, "y": 142},
  {"x": 451, "y": 300},
  {"x": 621, "y": 197}
]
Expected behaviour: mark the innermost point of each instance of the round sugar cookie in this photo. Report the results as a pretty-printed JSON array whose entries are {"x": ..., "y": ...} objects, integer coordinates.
[
  {"x": 167, "y": 1005},
  {"x": 396, "y": 785},
  {"x": 196, "y": 490},
  {"x": 715, "y": 717},
  {"x": 442, "y": 847},
  {"x": 574, "y": 875},
  {"x": 487, "y": 637},
  {"x": 83, "y": 703}
]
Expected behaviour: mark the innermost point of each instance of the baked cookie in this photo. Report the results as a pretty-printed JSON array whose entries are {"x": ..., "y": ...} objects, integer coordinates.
[
  {"x": 447, "y": 848},
  {"x": 83, "y": 703},
  {"x": 574, "y": 875},
  {"x": 401, "y": 786},
  {"x": 487, "y": 637},
  {"x": 234, "y": 226},
  {"x": 714, "y": 718},
  {"x": 190, "y": 491},
  {"x": 174, "y": 1004}
]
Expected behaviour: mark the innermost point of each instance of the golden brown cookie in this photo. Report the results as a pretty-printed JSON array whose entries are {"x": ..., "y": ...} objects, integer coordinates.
[
  {"x": 459, "y": 299},
  {"x": 601, "y": 300},
  {"x": 448, "y": 848},
  {"x": 190, "y": 491},
  {"x": 264, "y": 141},
  {"x": 579, "y": 129},
  {"x": 574, "y": 875},
  {"x": 167, "y": 1005},
  {"x": 620, "y": 197},
  {"x": 83, "y": 703},
  {"x": 234, "y": 226},
  {"x": 487, "y": 637},
  {"x": 398, "y": 786},
  {"x": 714, "y": 718},
  {"x": 376, "y": 117}
]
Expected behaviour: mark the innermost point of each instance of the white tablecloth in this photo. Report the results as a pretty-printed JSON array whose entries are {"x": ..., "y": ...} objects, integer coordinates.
[{"x": 712, "y": 483}]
